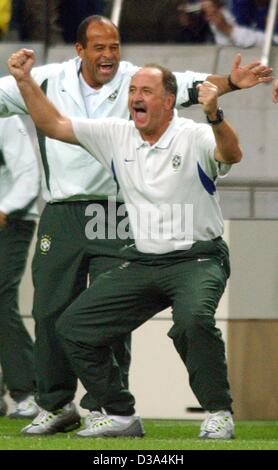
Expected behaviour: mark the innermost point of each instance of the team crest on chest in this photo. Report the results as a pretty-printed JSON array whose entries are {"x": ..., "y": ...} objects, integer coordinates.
[
  {"x": 45, "y": 244},
  {"x": 176, "y": 162},
  {"x": 113, "y": 96}
]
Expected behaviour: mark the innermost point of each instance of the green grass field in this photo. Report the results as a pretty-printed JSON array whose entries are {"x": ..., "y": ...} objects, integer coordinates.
[{"x": 160, "y": 435}]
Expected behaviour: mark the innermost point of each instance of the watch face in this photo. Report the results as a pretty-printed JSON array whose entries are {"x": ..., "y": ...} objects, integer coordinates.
[
  {"x": 220, "y": 114},
  {"x": 219, "y": 117}
]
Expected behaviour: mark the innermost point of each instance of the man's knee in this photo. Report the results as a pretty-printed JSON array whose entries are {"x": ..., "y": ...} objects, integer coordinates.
[
  {"x": 192, "y": 326},
  {"x": 69, "y": 329}
]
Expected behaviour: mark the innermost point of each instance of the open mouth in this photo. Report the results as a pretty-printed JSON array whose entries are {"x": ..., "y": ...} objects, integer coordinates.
[
  {"x": 106, "y": 67},
  {"x": 139, "y": 112}
]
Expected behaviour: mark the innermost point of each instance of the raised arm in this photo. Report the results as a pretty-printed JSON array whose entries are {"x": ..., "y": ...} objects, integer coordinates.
[
  {"x": 241, "y": 77},
  {"x": 44, "y": 114},
  {"x": 227, "y": 145}
]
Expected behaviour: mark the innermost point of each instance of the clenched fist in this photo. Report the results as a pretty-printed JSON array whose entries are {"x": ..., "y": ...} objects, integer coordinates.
[
  {"x": 20, "y": 63},
  {"x": 207, "y": 97}
]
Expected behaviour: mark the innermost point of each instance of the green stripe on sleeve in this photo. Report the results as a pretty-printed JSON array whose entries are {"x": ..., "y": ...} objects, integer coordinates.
[{"x": 2, "y": 161}]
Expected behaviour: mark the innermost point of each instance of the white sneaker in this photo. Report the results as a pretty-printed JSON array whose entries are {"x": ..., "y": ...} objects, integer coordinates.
[
  {"x": 108, "y": 426},
  {"x": 26, "y": 408},
  {"x": 217, "y": 425},
  {"x": 91, "y": 417},
  {"x": 49, "y": 422}
]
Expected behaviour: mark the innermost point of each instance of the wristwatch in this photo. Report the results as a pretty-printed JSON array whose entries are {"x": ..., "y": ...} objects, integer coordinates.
[{"x": 219, "y": 117}]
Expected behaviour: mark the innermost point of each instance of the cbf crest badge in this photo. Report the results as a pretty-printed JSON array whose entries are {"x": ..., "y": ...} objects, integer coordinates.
[
  {"x": 113, "y": 96},
  {"x": 176, "y": 162},
  {"x": 45, "y": 244}
]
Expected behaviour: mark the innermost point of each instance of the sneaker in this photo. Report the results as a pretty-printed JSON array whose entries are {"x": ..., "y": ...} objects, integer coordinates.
[
  {"x": 218, "y": 425},
  {"x": 49, "y": 422},
  {"x": 91, "y": 417},
  {"x": 26, "y": 408},
  {"x": 108, "y": 426},
  {"x": 3, "y": 407}
]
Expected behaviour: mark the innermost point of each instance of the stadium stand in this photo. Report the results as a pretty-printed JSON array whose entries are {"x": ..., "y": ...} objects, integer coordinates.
[
  {"x": 7, "y": 48},
  {"x": 59, "y": 54}
]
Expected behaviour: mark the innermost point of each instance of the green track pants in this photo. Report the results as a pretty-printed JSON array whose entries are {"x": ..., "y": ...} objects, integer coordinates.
[
  {"x": 64, "y": 259},
  {"x": 16, "y": 346},
  {"x": 192, "y": 282}
]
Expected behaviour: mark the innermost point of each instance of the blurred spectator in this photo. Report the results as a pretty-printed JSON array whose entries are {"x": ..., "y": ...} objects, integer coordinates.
[
  {"x": 245, "y": 28},
  {"x": 252, "y": 13},
  {"x": 150, "y": 21},
  {"x": 164, "y": 21},
  {"x": 72, "y": 12},
  {"x": 5, "y": 16},
  {"x": 193, "y": 27},
  {"x": 35, "y": 20}
]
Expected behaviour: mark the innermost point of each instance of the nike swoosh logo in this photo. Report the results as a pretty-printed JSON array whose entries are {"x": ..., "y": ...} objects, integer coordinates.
[
  {"x": 127, "y": 161},
  {"x": 203, "y": 259}
]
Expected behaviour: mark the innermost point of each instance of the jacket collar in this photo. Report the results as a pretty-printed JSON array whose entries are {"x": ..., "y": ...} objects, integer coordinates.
[{"x": 70, "y": 83}]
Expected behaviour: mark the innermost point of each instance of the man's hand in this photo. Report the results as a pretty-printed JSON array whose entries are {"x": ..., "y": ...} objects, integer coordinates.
[
  {"x": 249, "y": 75},
  {"x": 275, "y": 91},
  {"x": 207, "y": 97},
  {"x": 214, "y": 16},
  {"x": 3, "y": 220},
  {"x": 44, "y": 114},
  {"x": 227, "y": 148},
  {"x": 20, "y": 63}
]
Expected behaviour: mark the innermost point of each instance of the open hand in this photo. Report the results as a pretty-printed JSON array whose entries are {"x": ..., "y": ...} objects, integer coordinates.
[
  {"x": 251, "y": 74},
  {"x": 215, "y": 16}
]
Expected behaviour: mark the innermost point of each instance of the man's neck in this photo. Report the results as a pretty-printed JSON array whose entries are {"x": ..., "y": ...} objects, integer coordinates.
[
  {"x": 86, "y": 87},
  {"x": 88, "y": 80},
  {"x": 153, "y": 136}
]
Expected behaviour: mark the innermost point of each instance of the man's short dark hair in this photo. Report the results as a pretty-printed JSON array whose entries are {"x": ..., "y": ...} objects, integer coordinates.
[
  {"x": 81, "y": 34},
  {"x": 169, "y": 80}
]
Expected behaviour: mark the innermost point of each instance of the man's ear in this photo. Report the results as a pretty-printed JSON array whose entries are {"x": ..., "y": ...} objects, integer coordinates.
[
  {"x": 79, "y": 49},
  {"x": 169, "y": 101}
]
